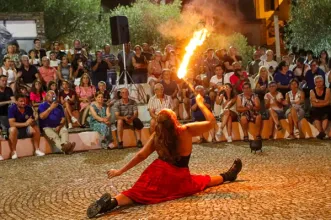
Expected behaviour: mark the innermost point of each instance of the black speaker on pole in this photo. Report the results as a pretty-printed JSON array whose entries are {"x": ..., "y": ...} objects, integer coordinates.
[{"x": 119, "y": 28}]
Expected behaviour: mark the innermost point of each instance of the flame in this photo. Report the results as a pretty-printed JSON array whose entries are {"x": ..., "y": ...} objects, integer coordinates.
[{"x": 197, "y": 40}]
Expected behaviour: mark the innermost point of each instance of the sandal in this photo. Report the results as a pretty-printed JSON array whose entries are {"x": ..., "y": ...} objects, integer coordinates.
[{"x": 279, "y": 127}]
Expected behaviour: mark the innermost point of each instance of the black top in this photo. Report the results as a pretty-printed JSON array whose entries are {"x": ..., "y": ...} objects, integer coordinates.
[
  {"x": 5, "y": 96},
  {"x": 101, "y": 73},
  {"x": 148, "y": 56},
  {"x": 321, "y": 97},
  {"x": 231, "y": 61},
  {"x": 182, "y": 162},
  {"x": 42, "y": 53},
  {"x": 28, "y": 76}
]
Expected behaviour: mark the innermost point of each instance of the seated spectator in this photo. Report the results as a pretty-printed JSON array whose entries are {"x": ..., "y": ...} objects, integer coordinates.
[
  {"x": 230, "y": 58},
  {"x": 6, "y": 98},
  {"x": 24, "y": 91},
  {"x": 155, "y": 71},
  {"x": 103, "y": 89},
  {"x": 10, "y": 72},
  {"x": 270, "y": 63},
  {"x": 197, "y": 114},
  {"x": 100, "y": 121},
  {"x": 312, "y": 73},
  {"x": 139, "y": 63},
  {"x": 215, "y": 82},
  {"x": 47, "y": 73},
  {"x": 320, "y": 102},
  {"x": 282, "y": 77},
  {"x": 235, "y": 65},
  {"x": 85, "y": 94},
  {"x": 238, "y": 79},
  {"x": 210, "y": 63},
  {"x": 99, "y": 68},
  {"x": 53, "y": 61},
  {"x": 126, "y": 112},
  {"x": 52, "y": 86},
  {"x": 323, "y": 61},
  {"x": 156, "y": 103},
  {"x": 40, "y": 52},
  {"x": 295, "y": 99},
  {"x": 147, "y": 51},
  {"x": 79, "y": 67},
  {"x": 171, "y": 89},
  {"x": 172, "y": 63},
  {"x": 56, "y": 49},
  {"x": 274, "y": 102},
  {"x": 227, "y": 98},
  {"x": 248, "y": 107},
  {"x": 33, "y": 60},
  {"x": 13, "y": 54},
  {"x": 253, "y": 66},
  {"x": 300, "y": 69},
  {"x": 37, "y": 96},
  {"x": 22, "y": 125},
  {"x": 309, "y": 57},
  {"x": 27, "y": 73},
  {"x": 111, "y": 71},
  {"x": 261, "y": 81},
  {"x": 67, "y": 98},
  {"x": 64, "y": 71},
  {"x": 52, "y": 122}
]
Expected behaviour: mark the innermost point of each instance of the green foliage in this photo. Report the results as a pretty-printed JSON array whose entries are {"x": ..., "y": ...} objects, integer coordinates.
[{"x": 309, "y": 26}]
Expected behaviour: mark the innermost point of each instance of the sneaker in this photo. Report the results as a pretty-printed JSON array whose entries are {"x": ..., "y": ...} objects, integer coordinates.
[
  {"x": 71, "y": 148},
  {"x": 290, "y": 137},
  {"x": 73, "y": 119},
  {"x": 69, "y": 125},
  {"x": 1, "y": 158},
  {"x": 120, "y": 145},
  {"x": 232, "y": 173},
  {"x": 39, "y": 153},
  {"x": 219, "y": 132},
  {"x": 66, "y": 148},
  {"x": 14, "y": 156},
  {"x": 229, "y": 139},
  {"x": 139, "y": 144}
]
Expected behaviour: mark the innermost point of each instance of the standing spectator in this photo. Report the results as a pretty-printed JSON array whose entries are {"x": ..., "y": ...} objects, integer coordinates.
[
  {"x": 75, "y": 51},
  {"x": 139, "y": 62},
  {"x": 283, "y": 76},
  {"x": 37, "y": 96},
  {"x": 231, "y": 58},
  {"x": 146, "y": 51},
  {"x": 33, "y": 60},
  {"x": 100, "y": 121},
  {"x": 85, "y": 94},
  {"x": 13, "y": 54},
  {"x": 64, "y": 72},
  {"x": 6, "y": 98},
  {"x": 253, "y": 66},
  {"x": 295, "y": 99},
  {"x": 79, "y": 67},
  {"x": 320, "y": 102},
  {"x": 274, "y": 102},
  {"x": 40, "y": 52},
  {"x": 56, "y": 49},
  {"x": 67, "y": 99},
  {"x": 300, "y": 69},
  {"x": 155, "y": 70},
  {"x": 312, "y": 73},
  {"x": 47, "y": 73},
  {"x": 262, "y": 51},
  {"x": 227, "y": 98},
  {"x": 22, "y": 125},
  {"x": 111, "y": 71},
  {"x": 52, "y": 121},
  {"x": 238, "y": 79},
  {"x": 54, "y": 62},
  {"x": 270, "y": 63},
  {"x": 126, "y": 112},
  {"x": 323, "y": 61},
  {"x": 221, "y": 55},
  {"x": 171, "y": 89},
  {"x": 128, "y": 61},
  {"x": 156, "y": 103},
  {"x": 10, "y": 72},
  {"x": 310, "y": 57},
  {"x": 248, "y": 107},
  {"x": 210, "y": 63},
  {"x": 27, "y": 73},
  {"x": 100, "y": 67}
]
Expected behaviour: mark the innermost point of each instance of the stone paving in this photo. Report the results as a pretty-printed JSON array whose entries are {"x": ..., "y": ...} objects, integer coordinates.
[{"x": 288, "y": 180}]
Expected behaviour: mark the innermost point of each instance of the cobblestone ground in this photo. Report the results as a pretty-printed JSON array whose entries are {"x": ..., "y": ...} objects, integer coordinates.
[{"x": 289, "y": 180}]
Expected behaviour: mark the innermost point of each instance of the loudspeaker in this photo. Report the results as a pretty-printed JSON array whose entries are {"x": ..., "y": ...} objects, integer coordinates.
[
  {"x": 255, "y": 145},
  {"x": 119, "y": 28}
]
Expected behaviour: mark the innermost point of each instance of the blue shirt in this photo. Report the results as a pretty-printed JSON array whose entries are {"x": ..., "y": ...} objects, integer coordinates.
[
  {"x": 284, "y": 80},
  {"x": 309, "y": 77},
  {"x": 14, "y": 112},
  {"x": 197, "y": 114},
  {"x": 54, "y": 118}
]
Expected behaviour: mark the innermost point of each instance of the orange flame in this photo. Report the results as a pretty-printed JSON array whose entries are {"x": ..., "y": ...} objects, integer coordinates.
[{"x": 197, "y": 40}]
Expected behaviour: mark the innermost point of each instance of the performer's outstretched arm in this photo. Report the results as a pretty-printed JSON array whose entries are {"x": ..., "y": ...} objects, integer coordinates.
[{"x": 147, "y": 150}]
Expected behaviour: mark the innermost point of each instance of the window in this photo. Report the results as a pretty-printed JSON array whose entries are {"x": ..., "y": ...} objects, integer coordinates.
[{"x": 22, "y": 29}]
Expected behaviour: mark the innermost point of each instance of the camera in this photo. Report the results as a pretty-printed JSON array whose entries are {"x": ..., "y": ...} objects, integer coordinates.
[{"x": 54, "y": 99}]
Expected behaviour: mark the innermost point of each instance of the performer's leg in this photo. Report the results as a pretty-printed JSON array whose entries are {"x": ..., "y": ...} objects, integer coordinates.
[
  {"x": 215, "y": 180},
  {"x": 123, "y": 200}
]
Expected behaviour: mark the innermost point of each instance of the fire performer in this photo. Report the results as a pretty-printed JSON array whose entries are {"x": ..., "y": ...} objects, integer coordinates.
[{"x": 168, "y": 177}]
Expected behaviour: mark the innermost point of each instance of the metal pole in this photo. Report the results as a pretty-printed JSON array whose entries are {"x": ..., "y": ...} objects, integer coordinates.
[
  {"x": 124, "y": 62},
  {"x": 276, "y": 24}
]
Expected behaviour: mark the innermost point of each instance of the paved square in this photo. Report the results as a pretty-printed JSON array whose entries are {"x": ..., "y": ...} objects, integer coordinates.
[{"x": 289, "y": 180}]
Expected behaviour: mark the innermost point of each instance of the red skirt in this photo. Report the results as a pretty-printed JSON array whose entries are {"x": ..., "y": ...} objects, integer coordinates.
[{"x": 162, "y": 181}]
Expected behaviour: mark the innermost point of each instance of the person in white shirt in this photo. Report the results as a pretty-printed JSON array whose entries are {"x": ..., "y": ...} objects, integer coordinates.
[
  {"x": 270, "y": 63},
  {"x": 215, "y": 82},
  {"x": 53, "y": 61},
  {"x": 274, "y": 102},
  {"x": 156, "y": 103}
]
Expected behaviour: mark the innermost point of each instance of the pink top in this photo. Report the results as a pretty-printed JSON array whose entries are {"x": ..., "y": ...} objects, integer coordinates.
[
  {"x": 36, "y": 97},
  {"x": 47, "y": 74},
  {"x": 85, "y": 92}
]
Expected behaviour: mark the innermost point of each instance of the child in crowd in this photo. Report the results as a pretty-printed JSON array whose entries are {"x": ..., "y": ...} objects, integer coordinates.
[
  {"x": 37, "y": 96},
  {"x": 33, "y": 60}
]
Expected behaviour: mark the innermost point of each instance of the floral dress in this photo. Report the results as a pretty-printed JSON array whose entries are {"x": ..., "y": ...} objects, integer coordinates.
[{"x": 100, "y": 127}]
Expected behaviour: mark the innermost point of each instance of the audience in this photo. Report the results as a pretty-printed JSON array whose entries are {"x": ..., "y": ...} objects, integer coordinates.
[
  {"x": 171, "y": 89},
  {"x": 67, "y": 98},
  {"x": 139, "y": 63},
  {"x": 27, "y": 73},
  {"x": 6, "y": 98}
]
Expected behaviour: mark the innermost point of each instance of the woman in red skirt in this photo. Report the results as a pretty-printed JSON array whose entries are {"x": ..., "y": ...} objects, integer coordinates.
[{"x": 168, "y": 177}]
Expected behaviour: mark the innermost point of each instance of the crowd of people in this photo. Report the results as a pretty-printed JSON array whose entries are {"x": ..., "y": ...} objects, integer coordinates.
[{"x": 39, "y": 90}]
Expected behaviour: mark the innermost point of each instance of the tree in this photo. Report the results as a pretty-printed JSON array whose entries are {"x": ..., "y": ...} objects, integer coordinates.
[{"x": 309, "y": 26}]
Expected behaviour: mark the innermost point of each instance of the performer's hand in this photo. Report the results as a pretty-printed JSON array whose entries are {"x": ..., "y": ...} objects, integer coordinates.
[
  {"x": 112, "y": 173},
  {"x": 199, "y": 99}
]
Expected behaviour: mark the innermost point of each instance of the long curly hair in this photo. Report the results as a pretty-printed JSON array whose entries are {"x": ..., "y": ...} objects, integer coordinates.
[{"x": 166, "y": 136}]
